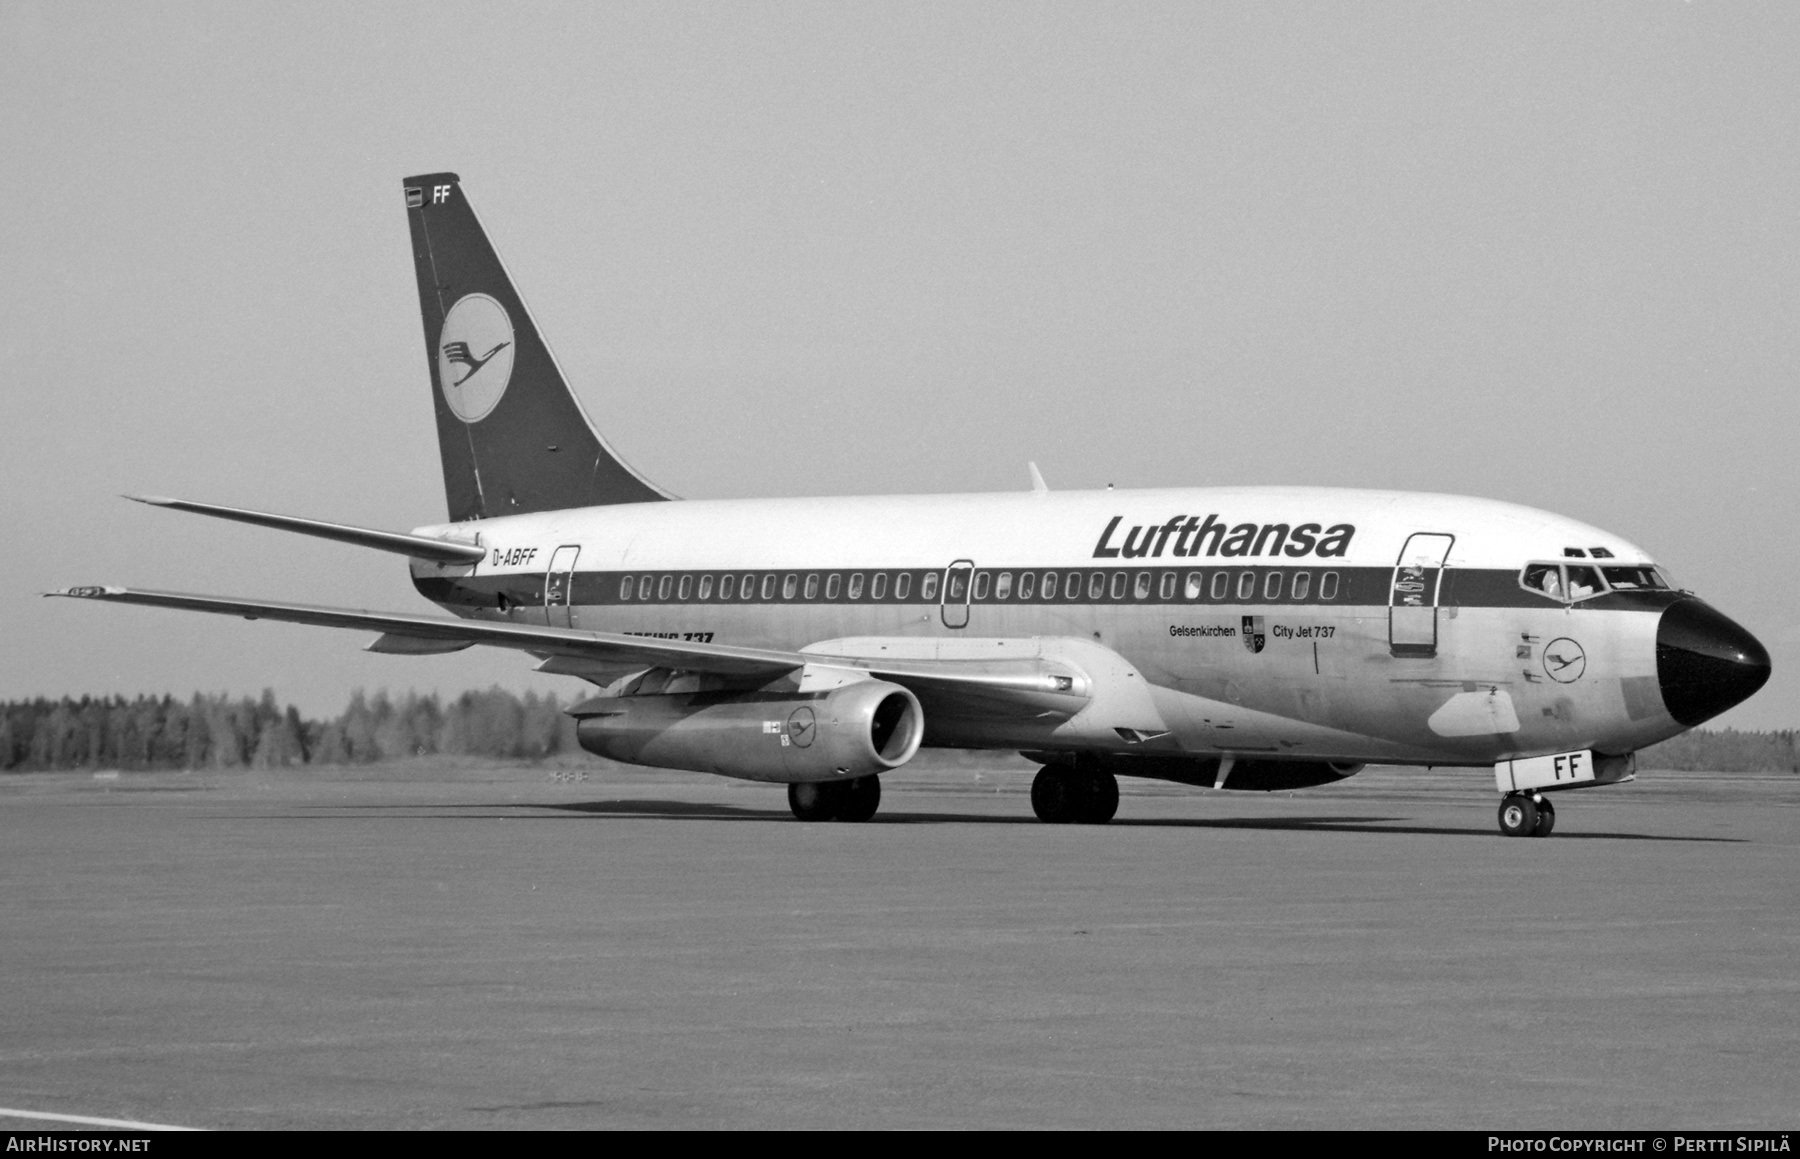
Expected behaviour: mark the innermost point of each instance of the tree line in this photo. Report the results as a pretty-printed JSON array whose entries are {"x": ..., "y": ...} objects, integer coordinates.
[
  {"x": 219, "y": 732},
  {"x": 1726, "y": 750},
  {"x": 209, "y": 731}
]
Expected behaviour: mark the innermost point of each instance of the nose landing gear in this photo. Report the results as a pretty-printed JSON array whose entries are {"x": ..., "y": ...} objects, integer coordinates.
[
  {"x": 1082, "y": 796},
  {"x": 1526, "y": 816}
]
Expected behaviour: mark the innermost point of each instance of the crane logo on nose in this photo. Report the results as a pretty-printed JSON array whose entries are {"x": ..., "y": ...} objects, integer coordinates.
[
  {"x": 475, "y": 356},
  {"x": 1564, "y": 661}
]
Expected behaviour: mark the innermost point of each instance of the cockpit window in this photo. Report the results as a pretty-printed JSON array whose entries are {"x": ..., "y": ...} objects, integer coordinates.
[
  {"x": 1566, "y": 582},
  {"x": 1544, "y": 578},
  {"x": 1631, "y": 579},
  {"x": 1583, "y": 582}
]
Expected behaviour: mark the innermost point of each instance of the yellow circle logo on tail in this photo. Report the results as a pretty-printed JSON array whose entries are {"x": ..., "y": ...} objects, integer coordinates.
[{"x": 475, "y": 356}]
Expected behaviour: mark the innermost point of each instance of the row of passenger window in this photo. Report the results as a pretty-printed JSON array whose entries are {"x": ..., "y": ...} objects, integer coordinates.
[
  {"x": 731, "y": 586},
  {"x": 1239, "y": 585},
  {"x": 1167, "y": 586}
]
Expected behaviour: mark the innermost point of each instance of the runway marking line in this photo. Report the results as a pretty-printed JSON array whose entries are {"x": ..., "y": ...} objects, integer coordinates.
[{"x": 91, "y": 1121}]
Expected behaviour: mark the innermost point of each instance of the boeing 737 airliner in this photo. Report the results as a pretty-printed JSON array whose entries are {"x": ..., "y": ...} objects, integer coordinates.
[{"x": 1241, "y": 638}]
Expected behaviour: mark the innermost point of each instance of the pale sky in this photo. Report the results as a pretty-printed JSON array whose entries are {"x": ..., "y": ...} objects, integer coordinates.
[{"x": 1546, "y": 253}]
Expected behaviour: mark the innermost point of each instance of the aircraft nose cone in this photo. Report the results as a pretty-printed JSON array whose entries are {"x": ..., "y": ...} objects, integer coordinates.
[{"x": 1705, "y": 663}]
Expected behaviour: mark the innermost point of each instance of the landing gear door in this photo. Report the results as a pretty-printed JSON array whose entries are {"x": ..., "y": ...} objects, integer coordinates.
[
  {"x": 1413, "y": 597},
  {"x": 955, "y": 607},
  {"x": 559, "y": 584}
]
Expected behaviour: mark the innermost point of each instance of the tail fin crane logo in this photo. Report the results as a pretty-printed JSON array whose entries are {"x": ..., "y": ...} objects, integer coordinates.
[
  {"x": 458, "y": 352},
  {"x": 472, "y": 382}
]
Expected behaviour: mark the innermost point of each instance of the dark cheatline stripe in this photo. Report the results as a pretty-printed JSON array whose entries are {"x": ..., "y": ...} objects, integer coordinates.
[{"x": 1189, "y": 587}]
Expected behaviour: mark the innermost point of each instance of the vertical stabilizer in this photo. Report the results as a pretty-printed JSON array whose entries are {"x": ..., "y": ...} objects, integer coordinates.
[{"x": 513, "y": 437}]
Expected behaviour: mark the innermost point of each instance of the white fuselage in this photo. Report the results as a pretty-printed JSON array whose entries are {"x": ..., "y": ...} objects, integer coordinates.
[{"x": 1294, "y": 622}]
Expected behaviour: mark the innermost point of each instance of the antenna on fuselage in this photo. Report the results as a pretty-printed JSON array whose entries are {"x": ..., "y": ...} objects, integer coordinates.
[{"x": 1038, "y": 486}]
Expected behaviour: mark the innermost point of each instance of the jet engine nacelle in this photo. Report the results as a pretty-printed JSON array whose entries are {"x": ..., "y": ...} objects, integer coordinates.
[{"x": 867, "y": 727}]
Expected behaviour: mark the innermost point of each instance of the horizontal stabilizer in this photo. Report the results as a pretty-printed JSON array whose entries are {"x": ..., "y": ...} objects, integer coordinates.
[{"x": 417, "y": 546}]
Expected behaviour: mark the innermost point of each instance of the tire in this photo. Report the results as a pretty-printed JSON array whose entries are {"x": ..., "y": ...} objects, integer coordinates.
[
  {"x": 1099, "y": 798},
  {"x": 815, "y": 800},
  {"x": 858, "y": 799},
  {"x": 1518, "y": 816},
  {"x": 1546, "y": 819},
  {"x": 1052, "y": 796}
]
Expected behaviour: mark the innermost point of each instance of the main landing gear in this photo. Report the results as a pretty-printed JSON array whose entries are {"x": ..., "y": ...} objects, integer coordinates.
[
  {"x": 1063, "y": 795},
  {"x": 1526, "y": 816},
  {"x": 852, "y": 800}
]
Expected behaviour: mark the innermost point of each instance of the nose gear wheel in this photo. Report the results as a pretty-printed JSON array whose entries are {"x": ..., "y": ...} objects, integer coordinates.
[{"x": 1522, "y": 816}]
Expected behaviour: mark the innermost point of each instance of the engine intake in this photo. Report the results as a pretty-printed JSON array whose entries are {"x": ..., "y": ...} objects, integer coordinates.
[{"x": 868, "y": 727}]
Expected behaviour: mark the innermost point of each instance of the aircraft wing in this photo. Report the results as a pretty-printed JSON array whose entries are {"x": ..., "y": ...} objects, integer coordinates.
[
  {"x": 1028, "y": 685},
  {"x": 602, "y": 647},
  {"x": 972, "y": 684}
]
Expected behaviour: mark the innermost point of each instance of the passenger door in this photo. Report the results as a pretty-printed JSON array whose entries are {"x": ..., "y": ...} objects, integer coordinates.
[
  {"x": 954, "y": 607},
  {"x": 1413, "y": 596},
  {"x": 559, "y": 584}
]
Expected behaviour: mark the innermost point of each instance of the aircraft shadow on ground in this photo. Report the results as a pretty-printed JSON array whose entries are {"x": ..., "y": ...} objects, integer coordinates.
[
  {"x": 1363, "y": 825},
  {"x": 665, "y": 810}
]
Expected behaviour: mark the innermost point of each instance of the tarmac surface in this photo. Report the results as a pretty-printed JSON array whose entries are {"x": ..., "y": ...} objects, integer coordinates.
[{"x": 463, "y": 946}]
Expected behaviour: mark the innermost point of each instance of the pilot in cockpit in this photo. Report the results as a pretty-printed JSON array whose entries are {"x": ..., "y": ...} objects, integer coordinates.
[
  {"x": 1565, "y": 583},
  {"x": 1583, "y": 582},
  {"x": 1545, "y": 578}
]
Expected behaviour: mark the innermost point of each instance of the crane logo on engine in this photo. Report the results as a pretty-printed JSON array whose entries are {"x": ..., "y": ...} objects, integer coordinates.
[{"x": 801, "y": 728}]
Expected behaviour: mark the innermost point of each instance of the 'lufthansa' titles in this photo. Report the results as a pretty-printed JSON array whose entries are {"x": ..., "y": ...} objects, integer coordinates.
[{"x": 1191, "y": 536}]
